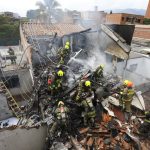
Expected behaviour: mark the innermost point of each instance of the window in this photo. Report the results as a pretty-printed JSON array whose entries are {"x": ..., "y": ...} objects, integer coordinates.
[
  {"x": 11, "y": 81},
  {"x": 122, "y": 18},
  {"x": 138, "y": 20},
  {"x": 128, "y": 19}
]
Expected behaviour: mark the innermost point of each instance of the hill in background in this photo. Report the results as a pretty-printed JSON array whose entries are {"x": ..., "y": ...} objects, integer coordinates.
[{"x": 129, "y": 11}]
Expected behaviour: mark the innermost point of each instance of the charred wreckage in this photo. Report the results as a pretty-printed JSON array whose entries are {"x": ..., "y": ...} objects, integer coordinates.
[{"x": 82, "y": 107}]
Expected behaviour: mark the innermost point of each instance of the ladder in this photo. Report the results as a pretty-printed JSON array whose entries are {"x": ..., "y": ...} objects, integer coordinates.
[{"x": 10, "y": 100}]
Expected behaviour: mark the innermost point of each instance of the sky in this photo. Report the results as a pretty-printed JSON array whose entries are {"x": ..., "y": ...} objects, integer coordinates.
[{"x": 21, "y": 6}]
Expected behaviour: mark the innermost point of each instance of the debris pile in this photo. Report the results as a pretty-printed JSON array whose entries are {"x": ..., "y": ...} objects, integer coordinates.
[{"x": 89, "y": 110}]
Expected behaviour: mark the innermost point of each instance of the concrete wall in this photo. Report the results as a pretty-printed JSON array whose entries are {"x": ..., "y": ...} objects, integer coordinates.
[
  {"x": 23, "y": 139},
  {"x": 24, "y": 79},
  {"x": 25, "y": 46},
  {"x": 137, "y": 70}
]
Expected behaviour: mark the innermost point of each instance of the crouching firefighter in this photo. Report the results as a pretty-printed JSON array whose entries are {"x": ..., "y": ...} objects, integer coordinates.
[
  {"x": 98, "y": 73},
  {"x": 61, "y": 115},
  {"x": 85, "y": 96}
]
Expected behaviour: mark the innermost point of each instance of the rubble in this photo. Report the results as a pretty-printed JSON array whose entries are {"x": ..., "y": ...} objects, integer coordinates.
[{"x": 111, "y": 128}]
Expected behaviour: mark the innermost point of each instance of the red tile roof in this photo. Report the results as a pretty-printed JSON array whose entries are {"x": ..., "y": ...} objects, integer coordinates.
[{"x": 50, "y": 29}]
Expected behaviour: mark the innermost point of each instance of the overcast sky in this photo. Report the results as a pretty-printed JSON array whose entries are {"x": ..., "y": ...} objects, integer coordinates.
[{"x": 21, "y": 6}]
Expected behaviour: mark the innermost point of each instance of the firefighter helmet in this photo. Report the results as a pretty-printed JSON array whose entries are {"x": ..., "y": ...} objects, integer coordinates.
[
  {"x": 60, "y": 103},
  {"x": 87, "y": 83},
  {"x": 60, "y": 73},
  {"x": 66, "y": 46},
  {"x": 130, "y": 84},
  {"x": 67, "y": 43},
  {"x": 126, "y": 82},
  {"x": 102, "y": 66}
]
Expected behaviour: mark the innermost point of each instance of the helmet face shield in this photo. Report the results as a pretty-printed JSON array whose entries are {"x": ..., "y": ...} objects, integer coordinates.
[{"x": 87, "y": 83}]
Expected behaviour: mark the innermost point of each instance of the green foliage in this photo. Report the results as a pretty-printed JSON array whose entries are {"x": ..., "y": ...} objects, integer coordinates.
[
  {"x": 9, "y": 31},
  {"x": 146, "y": 21}
]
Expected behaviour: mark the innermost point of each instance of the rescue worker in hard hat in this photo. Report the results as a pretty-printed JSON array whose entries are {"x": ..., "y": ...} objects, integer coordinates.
[
  {"x": 61, "y": 114},
  {"x": 12, "y": 55},
  {"x": 127, "y": 94},
  {"x": 84, "y": 90},
  {"x": 55, "y": 81},
  {"x": 64, "y": 54},
  {"x": 98, "y": 73},
  {"x": 85, "y": 96}
]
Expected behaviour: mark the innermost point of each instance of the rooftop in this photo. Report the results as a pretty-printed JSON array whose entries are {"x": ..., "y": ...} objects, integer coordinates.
[
  {"x": 50, "y": 29},
  {"x": 125, "y": 14}
]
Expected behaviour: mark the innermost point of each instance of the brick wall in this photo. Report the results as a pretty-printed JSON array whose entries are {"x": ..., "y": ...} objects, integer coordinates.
[
  {"x": 148, "y": 11},
  {"x": 142, "y": 32}
]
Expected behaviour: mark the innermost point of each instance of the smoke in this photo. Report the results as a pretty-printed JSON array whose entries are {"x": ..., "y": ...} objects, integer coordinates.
[{"x": 92, "y": 57}]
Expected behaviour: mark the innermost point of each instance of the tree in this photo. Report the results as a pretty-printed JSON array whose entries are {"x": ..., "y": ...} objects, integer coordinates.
[
  {"x": 9, "y": 31},
  {"x": 47, "y": 10},
  {"x": 147, "y": 21}
]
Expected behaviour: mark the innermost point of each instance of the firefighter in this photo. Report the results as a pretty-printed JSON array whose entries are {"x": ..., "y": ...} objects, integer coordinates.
[
  {"x": 98, "y": 74},
  {"x": 84, "y": 90},
  {"x": 85, "y": 96},
  {"x": 127, "y": 96},
  {"x": 89, "y": 113},
  {"x": 64, "y": 54},
  {"x": 55, "y": 83},
  {"x": 61, "y": 115},
  {"x": 12, "y": 55},
  {"x": 144, "y": 129}
]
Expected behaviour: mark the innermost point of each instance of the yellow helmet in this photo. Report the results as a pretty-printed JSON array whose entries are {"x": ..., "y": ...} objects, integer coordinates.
[
  {"x": 66, "y": 46},
  {"x": 60, "y": 103},
  {"x": 67, "y": 43},
  {"x": 126, "y": 82},
  {"x": 102, "y": 65},
  {"x": 88, "y": 83},
  {"x": 60, "y": 73}
]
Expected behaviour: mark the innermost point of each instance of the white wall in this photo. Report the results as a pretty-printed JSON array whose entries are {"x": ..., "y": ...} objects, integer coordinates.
[
  {"x": 138, "y": 70},
  {"x": 24, "y": 79},
  {"x": 23, "y": 139}
]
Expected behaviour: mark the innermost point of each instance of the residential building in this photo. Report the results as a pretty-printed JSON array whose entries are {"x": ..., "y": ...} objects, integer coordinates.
[
  {"x": 124, "y": 18},
  {"x": 10, "y": 14},
  {"x": 17, "y": 76}
]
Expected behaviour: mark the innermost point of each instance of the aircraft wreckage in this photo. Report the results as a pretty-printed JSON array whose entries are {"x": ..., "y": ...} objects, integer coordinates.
[{"x": 64, "y": 115}]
